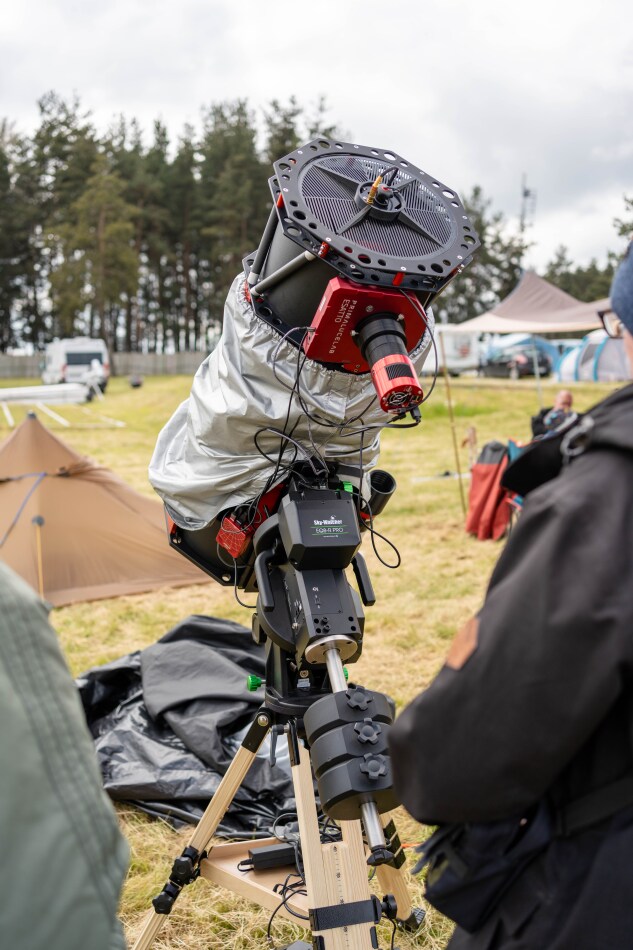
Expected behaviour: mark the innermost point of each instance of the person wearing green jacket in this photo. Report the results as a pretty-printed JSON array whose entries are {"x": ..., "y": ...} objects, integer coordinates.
[{"x": 62, "y": 855}]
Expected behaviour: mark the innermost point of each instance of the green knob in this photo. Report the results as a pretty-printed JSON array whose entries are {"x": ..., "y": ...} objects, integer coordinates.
[
  {"x": 346, "y": 673},
  {"x": 253, "y": 682},
  {"x": 348, "y": 486}
]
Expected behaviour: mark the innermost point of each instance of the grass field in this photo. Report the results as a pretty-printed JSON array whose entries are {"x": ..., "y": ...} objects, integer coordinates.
[{"x": 439, "y": 585}]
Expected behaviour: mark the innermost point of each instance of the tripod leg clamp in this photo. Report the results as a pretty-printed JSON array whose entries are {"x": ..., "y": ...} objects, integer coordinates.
[
  {"x": 186, "y": 867},
  {"x": 394, "y": 845},
  {"x": 185, "y": 870}
]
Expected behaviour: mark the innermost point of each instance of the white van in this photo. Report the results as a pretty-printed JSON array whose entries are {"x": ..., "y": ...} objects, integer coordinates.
[
  {"x": 77, "y": 360},
  {"x": 462, "y": 349}
]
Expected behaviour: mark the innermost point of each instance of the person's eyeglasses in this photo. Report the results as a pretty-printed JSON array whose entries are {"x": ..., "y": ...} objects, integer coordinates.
[{"x": 612, "y": 324}]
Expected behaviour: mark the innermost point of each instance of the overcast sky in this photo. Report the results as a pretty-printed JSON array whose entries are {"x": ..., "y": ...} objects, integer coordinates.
[{"x": 480, "y": 93}]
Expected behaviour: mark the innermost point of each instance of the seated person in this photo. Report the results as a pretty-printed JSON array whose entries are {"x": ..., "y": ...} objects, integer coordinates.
[{"x": 552, "y": 416}]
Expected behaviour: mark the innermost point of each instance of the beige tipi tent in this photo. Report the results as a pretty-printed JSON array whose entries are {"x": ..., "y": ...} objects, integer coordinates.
[{"x": 75, "y": 531}]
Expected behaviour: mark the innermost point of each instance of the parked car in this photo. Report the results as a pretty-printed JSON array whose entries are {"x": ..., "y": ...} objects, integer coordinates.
[
  {"x": 77, "y": 360},
  {"x": 515, "y": 362}
]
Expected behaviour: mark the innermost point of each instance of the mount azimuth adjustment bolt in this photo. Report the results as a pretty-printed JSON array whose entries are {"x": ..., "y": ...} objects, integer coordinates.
[
  {"x": 253, "y": 683},
  {"x": 374, "y": 766},
  {"x": 367, "y": 731}
]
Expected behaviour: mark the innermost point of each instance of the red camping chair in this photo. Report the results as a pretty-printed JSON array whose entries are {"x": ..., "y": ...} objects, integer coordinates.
[{"x": 489, "y": 513}]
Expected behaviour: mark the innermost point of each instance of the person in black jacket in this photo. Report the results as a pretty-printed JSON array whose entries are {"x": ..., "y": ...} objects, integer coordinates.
[{"x": 535, "y": 699}]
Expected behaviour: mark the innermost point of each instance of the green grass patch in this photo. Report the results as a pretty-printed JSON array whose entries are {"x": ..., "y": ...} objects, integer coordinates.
[{"x": 440, "y": 584}]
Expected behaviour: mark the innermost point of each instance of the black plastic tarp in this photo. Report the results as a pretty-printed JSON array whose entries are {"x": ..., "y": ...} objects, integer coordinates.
[{"x": 168, "y": 720}]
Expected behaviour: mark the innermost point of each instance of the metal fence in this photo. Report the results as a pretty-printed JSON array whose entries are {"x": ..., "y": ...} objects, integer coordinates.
[{"x": 123, "y": 364}]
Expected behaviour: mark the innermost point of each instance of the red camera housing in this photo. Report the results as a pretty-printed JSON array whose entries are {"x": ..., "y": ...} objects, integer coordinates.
[{"x": 336, "y": 337}]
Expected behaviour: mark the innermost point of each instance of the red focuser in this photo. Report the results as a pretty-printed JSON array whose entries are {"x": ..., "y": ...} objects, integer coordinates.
[{"x": 343, "y": 305}]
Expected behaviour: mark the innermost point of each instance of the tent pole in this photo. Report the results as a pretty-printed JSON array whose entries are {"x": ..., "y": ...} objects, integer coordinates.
[
  {"x": 536, "y": 373},
  {"x": 451, "y": 416},
  {"x": 38, "y": 521}
]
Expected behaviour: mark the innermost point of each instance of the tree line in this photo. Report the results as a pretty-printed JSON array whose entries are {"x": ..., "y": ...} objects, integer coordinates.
[{"x": 106, "y": 236}]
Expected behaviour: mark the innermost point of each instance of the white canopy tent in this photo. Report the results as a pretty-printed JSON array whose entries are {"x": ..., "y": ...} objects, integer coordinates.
[{"x": 535, "y": 306}]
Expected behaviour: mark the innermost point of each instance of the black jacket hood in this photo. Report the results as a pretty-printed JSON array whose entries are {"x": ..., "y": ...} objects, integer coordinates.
[{"x": 607, "y": 425}]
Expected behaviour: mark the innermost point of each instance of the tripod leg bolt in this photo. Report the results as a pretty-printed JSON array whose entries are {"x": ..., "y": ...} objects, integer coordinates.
[{"x": 164, "y": 901}]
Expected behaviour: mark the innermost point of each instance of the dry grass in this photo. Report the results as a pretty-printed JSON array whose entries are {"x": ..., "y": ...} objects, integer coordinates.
[{"x": 441, "y": 582}]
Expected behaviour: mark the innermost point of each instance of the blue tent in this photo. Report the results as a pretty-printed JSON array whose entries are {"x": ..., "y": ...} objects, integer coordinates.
[{"x": 597, "y": 358}]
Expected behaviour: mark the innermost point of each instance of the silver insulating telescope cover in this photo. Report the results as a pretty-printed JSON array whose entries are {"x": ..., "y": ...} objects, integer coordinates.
[{"x": 205, "y": 459}]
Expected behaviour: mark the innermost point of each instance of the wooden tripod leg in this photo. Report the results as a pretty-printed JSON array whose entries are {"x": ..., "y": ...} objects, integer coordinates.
[
  {"x": 214, "y": 813},
  {"x": 335, "y": 873},
  {"x": 393, "y": 878}
]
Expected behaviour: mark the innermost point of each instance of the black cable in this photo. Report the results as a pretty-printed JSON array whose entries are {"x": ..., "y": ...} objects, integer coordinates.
[
  {"x": 288, "y": 891},
  {"x": 393, "y": 171},
  {"x": 287, "y": 438},
  {"x": 416, "y": 303},
  {"x": 233, "y": 566},
  {"x": 376, "y": 534}
]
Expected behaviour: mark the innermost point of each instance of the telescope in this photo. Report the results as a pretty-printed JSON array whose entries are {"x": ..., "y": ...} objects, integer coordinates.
[
  {"x": 393, "y": 235},
  {"x": 324, "y": 334},
  {"x": 269, "y": 485}
]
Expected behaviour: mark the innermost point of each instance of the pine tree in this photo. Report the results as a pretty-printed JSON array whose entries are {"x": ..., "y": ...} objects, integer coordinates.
[
  {"x": 281, "y": 129},
  {"x": 234, "y": 198},
  {"x": 9, "y": 254},
  {"x": 99, "y": 266},
  {"x": 584, "y": 283},
  {"x": 50, "y": 174},
  {"x": 624, "y": 227},
  {"x": 144, "y": 175},
  {"x": 183, "y": 205},
  {"x": 154, "y": 292},
  {"x": 495, "y": 270}
]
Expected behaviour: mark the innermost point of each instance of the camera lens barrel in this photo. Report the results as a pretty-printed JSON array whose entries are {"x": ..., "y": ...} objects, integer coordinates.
[{"x": 382, "y": 341}]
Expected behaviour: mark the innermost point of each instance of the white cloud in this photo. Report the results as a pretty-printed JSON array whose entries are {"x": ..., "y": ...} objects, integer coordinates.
[{"x": 475, "y": 94}]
